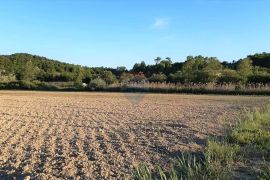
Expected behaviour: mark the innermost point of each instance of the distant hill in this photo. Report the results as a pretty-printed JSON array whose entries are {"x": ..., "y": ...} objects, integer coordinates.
[
  {"x": 26, "y": 67},
  {"x": 196, "y": 69}
]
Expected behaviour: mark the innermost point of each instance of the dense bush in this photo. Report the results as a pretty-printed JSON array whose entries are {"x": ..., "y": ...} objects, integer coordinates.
[
  {"x": 229, "y": 76},
  {"x": 26, "y": 85},
  {"x": 97, "y": 83},
  {"x": 7, "y": 78},
  {"x": 158, "y": 78},
  {"x": 126, "y": 77},
  {"x": 108, "y": 77},
  {"x": 261, "y": 60},
  {"x": 139, "y": 78},
  {"x": 259, "y": 78}
]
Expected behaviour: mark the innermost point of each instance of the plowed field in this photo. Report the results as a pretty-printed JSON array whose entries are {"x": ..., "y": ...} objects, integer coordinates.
[{"x": 50, "y": 135}]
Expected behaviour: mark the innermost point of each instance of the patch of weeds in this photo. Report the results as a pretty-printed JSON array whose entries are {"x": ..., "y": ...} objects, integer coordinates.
[
  {"x": 254, "y": 130},
  {"x": 265, "y": 175},
  {"x": 172, "y": 175},
  {"x": 220, "y": 157},
  {"x": 185, "y": 167},
  {"x": 143, "y": 172},
  {"x": 190, "y": 167},
  {"x": 221, "y": 152}
]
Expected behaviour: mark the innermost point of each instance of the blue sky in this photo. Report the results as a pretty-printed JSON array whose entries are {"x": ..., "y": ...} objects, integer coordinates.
[{"x": 121, "y": 32}]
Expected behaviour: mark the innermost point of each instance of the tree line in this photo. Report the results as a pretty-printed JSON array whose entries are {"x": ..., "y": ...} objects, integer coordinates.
[{"x": 195, "y": 69}]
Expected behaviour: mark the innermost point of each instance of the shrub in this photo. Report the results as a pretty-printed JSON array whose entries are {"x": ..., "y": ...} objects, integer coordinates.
[
  {"x": 229, "y": 76},
  {"x": 27, "y": 85},
  {"x": 259, "y": 78},
  {"x": 206, "y": 76},
  {"x": 126, "y": 77},
  {"x": 97, "y": 83},
  {"x": 139, "y": 78},
  {"x": 7, "y": 78},
  {"x": 176, "y": 77},
  {"x": 108, "y": 77},
  {"x": 158, "y": 78}
]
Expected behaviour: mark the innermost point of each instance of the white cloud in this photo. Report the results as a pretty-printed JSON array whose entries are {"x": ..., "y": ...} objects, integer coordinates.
[{"x": 161, "y": 23}]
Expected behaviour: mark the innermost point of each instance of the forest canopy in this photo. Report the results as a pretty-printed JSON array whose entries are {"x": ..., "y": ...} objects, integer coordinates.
[{"x": 194, "y": 69}]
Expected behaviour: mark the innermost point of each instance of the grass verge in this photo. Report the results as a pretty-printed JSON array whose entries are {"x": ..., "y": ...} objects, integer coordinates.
[
  {"x": 244, "y": 153},
  {"x": 231, "y": 89}
]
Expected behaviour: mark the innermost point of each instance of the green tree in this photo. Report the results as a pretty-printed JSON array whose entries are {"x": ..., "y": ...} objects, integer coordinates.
[
  {"x": 244, "y": 68},
  {"x": 157, "y": 60},
  {"x": 201, "y": 69},
  {"x": 213, "y": 64},
  {"x": 260, "y": 59},
  {"x": 139, "y": 78},
  {"x": 177, "y": 77},
  {"x": 79, "y": 75},
  {"x": 6, "y": 77},
  {"x": 108, "y": 77},
  {"x": 126, "y": 77},
  {"x": 158, "y": 77},
  {"x": 168, "y": 59},
  {"x": 229, "y": 76},
  {"x": 191, "y": 68},
  {"x": 139, "y": 67},
  {"x": 28, "y": 72},
  {"x": 87, "y": 75},
  {"x": 97, "y": 83},
  {"x": 121, "y": 69},
  {"x": 212, "y": 70}
]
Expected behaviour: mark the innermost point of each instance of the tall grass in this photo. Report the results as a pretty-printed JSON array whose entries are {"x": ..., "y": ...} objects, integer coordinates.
[
  {"x": 192, "y": 88},
  {"x": 189, "y": 88},
  {"x": 209, "y": 86},
  {"x": 254, "y": 130},
  {"x": 195, "y": 88},
  {"x": 247, "y": 144}
]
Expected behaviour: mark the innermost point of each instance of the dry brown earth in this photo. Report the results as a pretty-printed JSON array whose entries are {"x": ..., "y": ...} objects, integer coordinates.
[{"x": 50, "y": 135}]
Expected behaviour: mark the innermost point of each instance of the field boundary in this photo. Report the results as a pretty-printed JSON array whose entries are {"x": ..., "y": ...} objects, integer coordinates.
[{"x": 26, "y": 86}]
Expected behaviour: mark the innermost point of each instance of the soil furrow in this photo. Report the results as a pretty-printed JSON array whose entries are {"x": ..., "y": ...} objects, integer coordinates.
[{"x": 104, "y": 135}]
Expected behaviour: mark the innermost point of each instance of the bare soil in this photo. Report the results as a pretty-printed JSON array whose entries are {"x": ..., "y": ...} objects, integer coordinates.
[{"x": 56, "y": 135}]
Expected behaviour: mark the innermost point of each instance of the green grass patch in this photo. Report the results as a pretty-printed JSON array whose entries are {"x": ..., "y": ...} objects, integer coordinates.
[
  {"x": 255, "y": 130},
  {"x": 265, "y": 175}
]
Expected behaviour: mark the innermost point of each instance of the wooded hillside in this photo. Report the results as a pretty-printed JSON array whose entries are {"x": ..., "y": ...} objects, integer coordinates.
[{"x": 195, "y": 69}]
